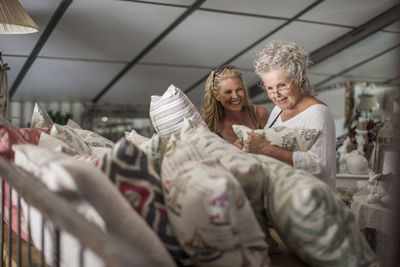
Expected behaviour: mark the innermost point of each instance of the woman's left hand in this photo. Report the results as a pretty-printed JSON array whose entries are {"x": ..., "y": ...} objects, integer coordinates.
[{"x": 256, "y": 143}]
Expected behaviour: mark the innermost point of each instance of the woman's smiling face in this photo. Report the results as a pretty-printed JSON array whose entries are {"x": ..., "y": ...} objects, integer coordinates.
[
  {"x": 231, "y": 94},
  {"x": 281, "y": 89}
]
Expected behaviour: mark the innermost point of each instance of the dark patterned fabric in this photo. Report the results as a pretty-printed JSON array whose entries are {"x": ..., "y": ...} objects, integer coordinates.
[{"x": 134, "y": 175}]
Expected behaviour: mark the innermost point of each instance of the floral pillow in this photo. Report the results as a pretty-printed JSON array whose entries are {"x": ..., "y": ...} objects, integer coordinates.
[
  {"x": 210, "y": 214},
  {"x": 93, "y": 139},
  {"x": 66, "y": 134},
  {"x": 54, "y": 144},
  {"x": 168, "y": 111},
  {"x": 40, "y": 118},
  {"x": 287, "y": 138},
  {"x": 311, "y": 220},
  {"x": 154, "y": 148}
]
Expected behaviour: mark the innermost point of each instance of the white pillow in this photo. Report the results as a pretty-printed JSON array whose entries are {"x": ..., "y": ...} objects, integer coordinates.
[
  {"x": 135, "y": 138},
  {"x": 73, "y": 124},
  {"x": 93, "y": 139},
  {"x": 40, "y": 118},
  {"x": 66, "y": 134},
  {"x": 54, "y": 144},
  {"x": 168, "y": 111},
  {"x": 288, "y": 138}
]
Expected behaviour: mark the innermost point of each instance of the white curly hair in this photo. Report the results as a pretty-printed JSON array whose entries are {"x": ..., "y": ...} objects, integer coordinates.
[{"x": 288, "y": 57}]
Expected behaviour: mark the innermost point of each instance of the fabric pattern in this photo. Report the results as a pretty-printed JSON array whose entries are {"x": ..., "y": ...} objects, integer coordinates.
[
  {"x": 135, "y": 137},
  {"x": 311, "y": 220},
  {"x": 40, "y": 118},
  {"x": 133, "y": 174},
  {"x": 287, "y": 138},
  {"x": 97, "y": 198},
  {"x": 210, "y": 213},
  {"x": 93, "y": 139},
  {"x": 71, "y": 138},
  {"x": 167, "y": 112}
]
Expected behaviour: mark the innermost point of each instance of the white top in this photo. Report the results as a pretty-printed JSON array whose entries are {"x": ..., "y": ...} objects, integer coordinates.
[{"x": 320, "y": 159}]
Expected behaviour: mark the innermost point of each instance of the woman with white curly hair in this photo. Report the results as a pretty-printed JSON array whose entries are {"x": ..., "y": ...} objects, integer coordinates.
[{"x": 283, "y": 68}]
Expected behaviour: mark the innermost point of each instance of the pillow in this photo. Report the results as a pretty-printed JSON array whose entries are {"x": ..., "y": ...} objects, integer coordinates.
[
  {"x": 311, "y": 219},
  {"x": 40, "y": 118},
  {"x": 93, "y": 139},
  {"x": 287, "y": 138},
  {"x": 132, "y": 171},
  {"x": 154, "y": 148},
  {"x": 51, "y": 143},
  {"x": 96, "y": 194},
  {"x": 70, "y": 137},
  {"x": 135, "y": 137},
  {"x": 199, "y": 143},
  {"x": 73, "y": 124},
  {"x": 210, "y": 214},
  {"x": 167, "y": 112}
]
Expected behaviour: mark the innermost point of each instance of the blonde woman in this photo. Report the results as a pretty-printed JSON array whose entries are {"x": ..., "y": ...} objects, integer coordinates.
[
  {"x": 283, "y": 68},
  {"x": 226, "y": 102}
]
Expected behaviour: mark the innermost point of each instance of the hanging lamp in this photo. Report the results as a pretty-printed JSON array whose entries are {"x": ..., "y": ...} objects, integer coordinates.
[{"x": 14, "y": 19}]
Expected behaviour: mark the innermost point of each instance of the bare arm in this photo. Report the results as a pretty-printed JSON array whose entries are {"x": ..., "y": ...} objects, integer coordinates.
[
  {"x": 263, "y": 114},
  {"x": 257, "y": 144}
]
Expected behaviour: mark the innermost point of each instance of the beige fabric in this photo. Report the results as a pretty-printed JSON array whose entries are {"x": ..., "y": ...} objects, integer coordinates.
[
  {"x": 287, "y": 138},
  {"x": 168, "y": 111}
]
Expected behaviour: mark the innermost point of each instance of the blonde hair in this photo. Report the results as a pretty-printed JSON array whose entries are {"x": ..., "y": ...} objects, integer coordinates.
[
  {"x": 212, "y": 111},
  {"x": 288, "y": 57}
]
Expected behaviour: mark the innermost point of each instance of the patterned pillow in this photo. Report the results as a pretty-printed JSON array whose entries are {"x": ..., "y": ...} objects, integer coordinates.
[
  {"x": 73, "y": 124},
  {"x": 135, "y": 137},
  {"x": 201, "y": 144},
  {"x": 311, "y": 220},
  {"x": 40, "y": 118},
  {"x": 95, "y": 196},
  {"x": 167, "y": 112},
  {"x": 71, "y": 138},
  {"x": 133, "y": 174},
  {"x": 93, "y": 139},
  {"x": 54, "y": 144},
  {"x": 154, "y": 148},
  {"x": 287, "y": 138},
  {"x": 210, "y": 213}
]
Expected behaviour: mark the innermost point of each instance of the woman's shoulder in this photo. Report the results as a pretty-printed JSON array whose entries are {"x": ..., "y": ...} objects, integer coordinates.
[{"x": 262, "y": 113}]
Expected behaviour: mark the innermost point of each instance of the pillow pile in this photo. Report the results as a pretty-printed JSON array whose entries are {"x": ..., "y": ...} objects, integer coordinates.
[
  {"x": 311, "y": 220},
  {"x": 168, "y": 111},
  {"x": 209, "y": 212},
  {"x": 287, "y": 138},
  {"x": 96, "y": 199}
]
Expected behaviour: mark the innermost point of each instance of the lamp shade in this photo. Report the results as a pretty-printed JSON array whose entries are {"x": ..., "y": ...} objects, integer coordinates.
[
  {"x": 367, "y": 102},
  {"x": 14, "y": 19}
]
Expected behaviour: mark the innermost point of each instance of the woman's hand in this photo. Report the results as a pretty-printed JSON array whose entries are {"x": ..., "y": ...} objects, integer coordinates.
[
  {"x": 256, "y": 143},
  {"x": 239, "y": 143}
]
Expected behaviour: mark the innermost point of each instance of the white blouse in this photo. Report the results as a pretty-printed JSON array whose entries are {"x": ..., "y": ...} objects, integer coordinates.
[{"x": 320, "y": 159}]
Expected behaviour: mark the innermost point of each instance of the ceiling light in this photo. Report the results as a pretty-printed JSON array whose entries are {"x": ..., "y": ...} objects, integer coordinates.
[{"x": 14, "y": 19}]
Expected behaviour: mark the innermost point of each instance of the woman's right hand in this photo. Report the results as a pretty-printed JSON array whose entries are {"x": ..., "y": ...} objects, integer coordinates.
[{"x": 239, "y": 143}]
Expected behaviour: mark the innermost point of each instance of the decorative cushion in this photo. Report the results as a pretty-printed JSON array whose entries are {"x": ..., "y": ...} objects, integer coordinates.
[
  {"x": 96, "y": 197},
  {"x": 311, "y": 219},
  {"x": 210, "y": 213},
  {"x": 287, "y": 138},
  {"x": 54, "y": 144},
  {"x": 135, "y": 137},
  {"x": 40, "y": 118},
  {"x": 202, "y": 144},
  {"x": 167, "y": 112},
  {"x": 154, "y": 148},
  {"x": 70, "y": 137},
  {"x": 73, "y": 124},
  {"x": 133, "y": 173},
  {"x": 93, "y": 139}
]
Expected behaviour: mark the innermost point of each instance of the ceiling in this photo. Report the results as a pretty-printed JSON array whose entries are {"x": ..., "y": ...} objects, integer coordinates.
[{"x": 122, "y": 52}]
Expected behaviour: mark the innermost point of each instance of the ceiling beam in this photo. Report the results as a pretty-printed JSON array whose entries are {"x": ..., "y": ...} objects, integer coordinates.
[
  {"x": 62, "y": 7},
  {"x": 308, "y": 8},
  {"x": 341, "y": 43},
  {"x": 147, "y": 49}
]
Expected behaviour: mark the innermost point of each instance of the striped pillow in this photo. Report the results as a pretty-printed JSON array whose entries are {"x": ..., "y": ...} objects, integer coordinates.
[
  {"x": 311, "y": 220},
  {"x": 167, "y": 112}
]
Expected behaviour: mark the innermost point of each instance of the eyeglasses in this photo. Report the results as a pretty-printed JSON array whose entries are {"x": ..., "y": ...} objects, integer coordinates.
[
  {"x": 281, "y": 88},
  {"x": 220, "y": 69}
]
